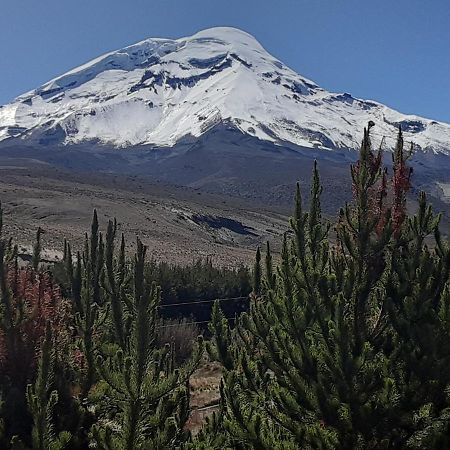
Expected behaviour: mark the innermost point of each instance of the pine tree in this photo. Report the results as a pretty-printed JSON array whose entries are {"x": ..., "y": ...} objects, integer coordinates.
[
  {"x": 85, "y": 283},
  {"x": 149, "y": 397},
  {"x": 37, "y": 249},
  {"x": 222, "y": 348},
  {"x": 94, "y": 259},
  {"x": 8, "y": 330},
  {"x": 347, "y": 347},
  {"x": 422, "y": 328},
  {"x": 68, "y": 265},
  {"x": 42, "y": 401},
  {"x": 116, "y": 283},
  {"x": 28, "y": 300},
  {"x": 76, "y": 282},
  {"x": 8, "y": 253},
  {"x": 257, "y": 273}
]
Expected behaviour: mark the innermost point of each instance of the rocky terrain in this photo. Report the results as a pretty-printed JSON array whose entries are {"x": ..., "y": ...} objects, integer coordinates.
[{"x": 178, "y": 224}]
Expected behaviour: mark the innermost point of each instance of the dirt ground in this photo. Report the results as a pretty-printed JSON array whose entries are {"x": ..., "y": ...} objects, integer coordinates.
[
  {"x": 205, "y": 394},
  {"x": 178, "y": 224}
]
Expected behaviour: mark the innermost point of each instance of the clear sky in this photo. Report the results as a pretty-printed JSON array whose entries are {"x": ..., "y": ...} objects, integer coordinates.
[{"x": 393, "y": 51}]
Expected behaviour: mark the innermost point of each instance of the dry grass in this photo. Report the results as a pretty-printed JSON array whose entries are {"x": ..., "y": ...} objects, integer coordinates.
[{"x": 181, "y": 333}]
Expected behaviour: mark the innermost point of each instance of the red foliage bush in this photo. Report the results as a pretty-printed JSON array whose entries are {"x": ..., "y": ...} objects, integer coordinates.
[
  {"x": 35, "y": 300},
  {"x": 385, "y": 199},
  {"x": 401, "y": 183}
]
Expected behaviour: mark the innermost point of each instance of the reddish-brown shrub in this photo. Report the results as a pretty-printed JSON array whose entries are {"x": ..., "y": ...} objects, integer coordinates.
[{"x": 35, "y": 300}]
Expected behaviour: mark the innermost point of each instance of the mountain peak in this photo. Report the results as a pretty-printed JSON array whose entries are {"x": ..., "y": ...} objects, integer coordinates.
[
  {"x": 228, "y": 34},
  {"x": 160, "y": 91}
]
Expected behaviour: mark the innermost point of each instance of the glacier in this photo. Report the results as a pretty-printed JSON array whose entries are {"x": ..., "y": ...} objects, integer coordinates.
[{"x": 163, "y": 92}]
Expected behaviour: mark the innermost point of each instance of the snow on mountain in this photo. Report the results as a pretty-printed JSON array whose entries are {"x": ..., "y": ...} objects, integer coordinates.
[{"x": 162, "y": 91}]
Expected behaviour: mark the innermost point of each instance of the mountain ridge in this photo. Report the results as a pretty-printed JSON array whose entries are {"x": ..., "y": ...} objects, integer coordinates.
[{"x": 159, "y": 92}]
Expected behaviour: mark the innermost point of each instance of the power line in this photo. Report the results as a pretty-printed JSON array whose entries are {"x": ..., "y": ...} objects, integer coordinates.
[
  {"x": 195, "y": 303},
  {"x": 203, "y": 301},
  {"x": 181, "y": 324},
  {"x": 189, "y": 323}
]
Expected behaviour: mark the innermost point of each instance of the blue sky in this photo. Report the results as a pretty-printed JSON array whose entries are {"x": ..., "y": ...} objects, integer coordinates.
[{"x": 396, "y": 52}]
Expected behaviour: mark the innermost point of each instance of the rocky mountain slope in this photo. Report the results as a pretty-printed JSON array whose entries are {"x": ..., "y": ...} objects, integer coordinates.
[
  {"x": 162, "y": 92},
  {"x": 213, "y": 112}
]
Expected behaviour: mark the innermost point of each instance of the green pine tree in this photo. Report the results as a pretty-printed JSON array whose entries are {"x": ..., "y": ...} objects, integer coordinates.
[
  {"x": 148, "y": 396},
  {"x": 116, "y": 284},
  {"x": 85, "y": 283},
  {"x": 42, "y": 401},
  {"x": 257, "y": 273},
  {"x": 347, "y": 347},
  {"x": 37, "y": 249}
]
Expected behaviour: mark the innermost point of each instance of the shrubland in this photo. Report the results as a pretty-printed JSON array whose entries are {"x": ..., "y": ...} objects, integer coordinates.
[{"x": 342, "y": 344}]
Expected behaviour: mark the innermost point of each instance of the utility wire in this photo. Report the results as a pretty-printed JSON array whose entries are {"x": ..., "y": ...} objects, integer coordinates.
[
  {"x": 203, "y": 301},
  {"x": 189, "y": 323},
  {"x": 195, "y": 303}
]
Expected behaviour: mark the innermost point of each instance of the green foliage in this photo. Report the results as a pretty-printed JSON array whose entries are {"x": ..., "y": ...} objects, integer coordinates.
[
  {"x": 42, "y": 401},
  {"x": 149, "y": 397},
  {"x": 221, "y": 349},
  {"x": 37, "y": 248},
  {"x": 114, "y": 386},
  {"x": 347, "y": 346},
  {"x": 88, "y": 301},
  {"x": 257, "y": 273},
  {"x": 116, "y": 282},
  {"x": 199, "y": 281}
]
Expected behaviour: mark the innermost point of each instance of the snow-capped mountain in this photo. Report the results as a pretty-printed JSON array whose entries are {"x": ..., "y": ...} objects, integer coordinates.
[{"x": 160, "y": 92}]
